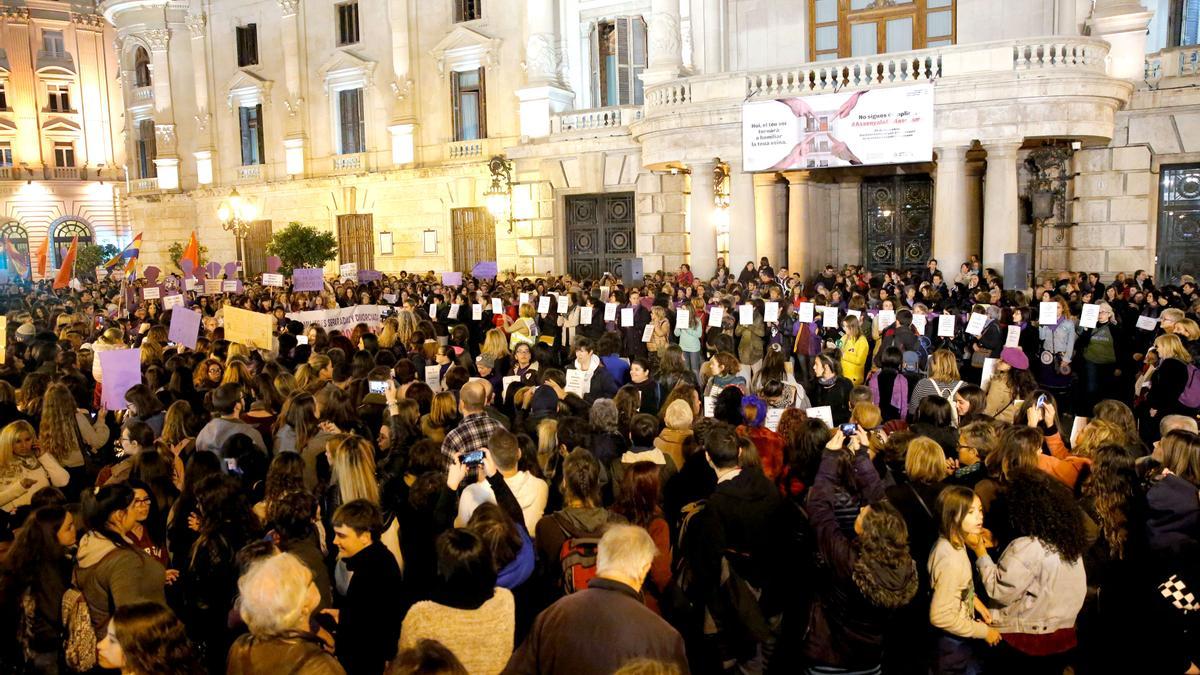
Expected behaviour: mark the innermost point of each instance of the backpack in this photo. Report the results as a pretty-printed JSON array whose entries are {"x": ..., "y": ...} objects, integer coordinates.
[
  {"x": 921, "y": 349},
  {"x": 577, "y": 557},
  {"x": 1190, "y": 397},
  {"x": 80, "y": 645}
]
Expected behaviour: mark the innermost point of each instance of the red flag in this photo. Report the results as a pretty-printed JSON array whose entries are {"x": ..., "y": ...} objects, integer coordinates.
[
  {"x": 192, "y": 252},
  {"x": 41, "y": 256},
  {"x": 67, "y": 271}
]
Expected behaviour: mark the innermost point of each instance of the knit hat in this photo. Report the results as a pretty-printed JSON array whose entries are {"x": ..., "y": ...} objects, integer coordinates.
[
  {"x": 485, "y": 361},
  {"x": 1015, "y": 358},
  {"x": 912, "y": 361}
]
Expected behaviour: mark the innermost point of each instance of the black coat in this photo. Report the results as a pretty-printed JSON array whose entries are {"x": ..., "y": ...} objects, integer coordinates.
[{"x": 371, "y": 612}]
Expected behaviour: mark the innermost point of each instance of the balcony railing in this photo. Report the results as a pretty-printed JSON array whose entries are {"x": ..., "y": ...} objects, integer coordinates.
[
  {"x": 352, "y": 162},
  {"x": 141, "y": 94},
  {"x": 465, "y": 149},
  {"x": 139, "y": 185},
  {"x": 64, "y": 173},
  {"x": 596, "y": 120},
  {"x": 9, "y": 173},
  {"x": 250, "y": 172},
  {"x": 1174, "y": 67},
  {"x": 1083, "y": 55}
]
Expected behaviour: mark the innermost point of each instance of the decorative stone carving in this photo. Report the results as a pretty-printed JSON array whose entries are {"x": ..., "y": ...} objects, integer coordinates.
[
  {"x": 402, "y": 90},
  {"x": 14, "y": 14},
  {"x": 157, "y": 39},
  {"x": 664, "y": 36},
  {"x": 289, "y": 7},
  {"x": 165, "y": 133},
  {"x": 294, "y": 107},
  {"x": 87, "y": 20},
  {"x": 196, "y": 24},
  {"x": 541, "y": 57}
]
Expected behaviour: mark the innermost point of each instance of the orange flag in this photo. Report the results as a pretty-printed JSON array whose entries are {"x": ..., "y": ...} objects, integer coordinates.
[
  {"x": 41, "y": 256},
  {"x": 192, "y": 252},
  {"x": 67, "y": 271}
]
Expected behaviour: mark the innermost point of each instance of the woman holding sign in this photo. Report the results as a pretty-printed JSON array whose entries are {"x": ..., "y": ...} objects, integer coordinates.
[{"x": 1098, "y": 345}]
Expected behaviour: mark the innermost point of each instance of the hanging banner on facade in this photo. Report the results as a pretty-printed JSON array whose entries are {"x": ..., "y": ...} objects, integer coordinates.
[
  {"x": 890, "y": 125},
  {"x": 342, "y": 318}
]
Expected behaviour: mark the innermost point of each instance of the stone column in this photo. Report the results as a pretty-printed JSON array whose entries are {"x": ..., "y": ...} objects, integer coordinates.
[
  {"x": 743, "y": 231},
  {"x": 1123, "y": 24},
  {"x": 974, "y": 199},
  {"x": 797, "y": 224},
  {"x": 293, "y": 133},
  {"x": 1000, "y": 212},
  {"x": 197, "y": 25},
  {"x": 950, "y": 235},
  {"x": 665, "y": 57},
  {"x": 769, "y": 207},
  {"x": 701, "y": 213},
  {"x": 544, "y": 93},
  {"x": 402, "y": 126}
]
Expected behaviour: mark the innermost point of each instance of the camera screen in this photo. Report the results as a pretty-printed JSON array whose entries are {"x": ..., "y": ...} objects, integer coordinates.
[
  {"x": 378, "y": 386},
  {"x": 475, "y": 457}
]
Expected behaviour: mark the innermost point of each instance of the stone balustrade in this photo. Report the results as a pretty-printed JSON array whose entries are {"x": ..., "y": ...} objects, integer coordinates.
[
  {"x": 596, "y": 121},
  {"x": 143, "y": 94},
  {"x": 460, "y": 150},
  {"x": 140, "y": 185},
  {"x": 1173, "y": 68}
]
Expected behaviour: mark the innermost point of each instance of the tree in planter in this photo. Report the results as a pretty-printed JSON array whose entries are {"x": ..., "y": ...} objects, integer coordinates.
[
  {"x": 91, "y": 256},
  {"x": 300, "y": 245},
  {"x": 176, "y": 252}
]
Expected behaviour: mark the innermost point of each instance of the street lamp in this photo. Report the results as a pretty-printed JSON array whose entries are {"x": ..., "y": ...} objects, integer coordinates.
[
  {"x": 236, "y": 215},
  {"x": 498, "y": 196},
  {"x": 721, "y": 204}
]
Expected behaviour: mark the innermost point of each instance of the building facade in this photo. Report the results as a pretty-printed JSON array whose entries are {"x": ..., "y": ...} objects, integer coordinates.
[
  {"x": 603, "y": 130},
  {"x": 62, "y": 155}
]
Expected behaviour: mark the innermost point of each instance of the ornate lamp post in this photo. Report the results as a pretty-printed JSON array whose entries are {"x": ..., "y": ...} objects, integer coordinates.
[{"x": 236, "y": 214}]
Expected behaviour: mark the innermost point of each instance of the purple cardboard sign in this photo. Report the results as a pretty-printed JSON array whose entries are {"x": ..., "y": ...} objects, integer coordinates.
[
  {"x": 308, "y": 279},
  {"x": 185, "y": 326},
  {"x": 122, "y": 370},
  {"x": 452, "y": 278},
  {"x": 484, "y": 270},
  {"x": 369, "y": 275}
]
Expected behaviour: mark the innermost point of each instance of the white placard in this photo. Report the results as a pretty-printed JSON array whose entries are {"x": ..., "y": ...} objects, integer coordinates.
[
  {"x": 746, "y": 314},
  {"x": 772, "y": 421},
  {"x": 683, "y": 317},
  {"x": 1089, "y": 316},
  {"x": 301, "y": 340},
  {"x": 885, "y": 318},
  {"x": 823, "y": 413},
  {"x": 151, "y": 293},
  {"x": 771, "y": 312},
  {"x": 544, "y": 304},
  {"x": 433, "y": 377},
  {"x": 829, "y": 317},
  {"x": 585, "y": 315},
  {"x": 806, "y": 312},
  {"x": 626, "y": 317},
  {"x": 170, "y": 301},
  {"x": 191, "y": 284},
  {"x": 716, "y": 316},
  {"x": 212, "y": 286},
  {"x": 476, "y": 312},
  {"x": 989, "y": 368},
  {"x": 579, "y": 382},
  {"x": 1048, "y": 313},
  {"x": 610, "y": 311},
  {"x": 1013, "y": 339},
  {"x": 648, "y": 332},
  {"x": 976, "y": 323},
  {"x": 453, "y": 314},
  {"x": 497, "y": 306},
  {"x": 854, "y": 313},
  {"x": 563, "y": 304},
  {"x": 348, "y": 272},
  {"x": 946, "y": 326},
  {"x": 1077, "y": 426},
  {"x": 505, "y": 383},
  {"x": 524, "y": 299},
  {"x": 919, "y": 323},
  {"x": 604, "y": 293},
  {"x": 390, "y": 298},
  {"x": 433, "y": 311},
  {"x": 710, "y": 406},
  {"x": 229, "y": 286},
  {"x": 1146, "y": 322},
  {"x": 275, "y": 280}
]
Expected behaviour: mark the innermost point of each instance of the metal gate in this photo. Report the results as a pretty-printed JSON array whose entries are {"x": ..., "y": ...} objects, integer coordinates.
[
  {"x": 599, "y": 234},
  {"x": 897, "y": 221},
  {"x": 356, "y": 240},
  {"x": 1178, "y": 222},
  {"x": 474, "y": 232}
]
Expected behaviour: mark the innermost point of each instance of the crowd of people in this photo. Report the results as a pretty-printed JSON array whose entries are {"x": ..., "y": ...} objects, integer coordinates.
[{"x": 862, "y": 472}]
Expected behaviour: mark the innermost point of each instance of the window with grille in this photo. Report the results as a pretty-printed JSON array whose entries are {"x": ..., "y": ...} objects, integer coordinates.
[
  {"x": 52, "y": 42},
  {"x": 64, "y": 232},
  {"x": 58, "y": 97},
  {"x": 351, "y": 126},
  {"x": 146, "y": 147},
  {"x": 618, "y": 58},
  {"x": 64, "y": 155},
  {"x": 844, "y": 28},
  {"x": 469, "y": 109},
  {"x": 250, "y": 120},
  {"x": 18, "y": 236},
  {"x": 347, "y": 22},
  {"x": 467, "y": 10},
  {"x": 247, "y": 45},
  {"x": 6, "y": 154}
]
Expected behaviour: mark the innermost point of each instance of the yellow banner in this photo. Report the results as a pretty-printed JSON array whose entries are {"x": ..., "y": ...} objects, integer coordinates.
[{"x": 252, "y": 329}]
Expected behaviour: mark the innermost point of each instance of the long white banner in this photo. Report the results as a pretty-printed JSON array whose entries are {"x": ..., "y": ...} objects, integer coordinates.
[
  {"x": 341, "y": 318},
  {"x": 890, "y": 125}
]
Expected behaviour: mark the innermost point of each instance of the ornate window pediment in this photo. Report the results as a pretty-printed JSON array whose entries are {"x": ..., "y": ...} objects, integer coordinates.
[
  {"x": 464, "y": 49},
  {"x": 61, "y": 126},
  {"x": 7, "y": 127},
  {"x": 247, "y": 90},
  {"x": 345, "y": 70}
]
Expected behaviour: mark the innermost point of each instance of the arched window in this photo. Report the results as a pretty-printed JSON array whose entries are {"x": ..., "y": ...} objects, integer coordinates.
[
  {"x": 13, "y": 232},
  {"x": 141, "y": 68},
  {"x": 64, "y": 230}
]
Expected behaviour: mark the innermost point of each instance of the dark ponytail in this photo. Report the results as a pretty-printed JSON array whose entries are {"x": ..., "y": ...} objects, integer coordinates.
[{"x": 98, "y": 506}]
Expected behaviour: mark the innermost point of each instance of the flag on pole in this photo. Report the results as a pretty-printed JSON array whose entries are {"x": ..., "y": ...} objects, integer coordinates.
[
  {"x": 128, "y": 254},
  {"x": 41, "y": 256},
  {"x": 17, "y": 264},
  {"x": 192, "y": 252},
  {"x": 67, "y": 271}
]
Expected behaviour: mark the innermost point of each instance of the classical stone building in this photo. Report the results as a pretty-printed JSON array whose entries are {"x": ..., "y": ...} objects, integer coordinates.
[
  {"x": 1067, "y": 130},
  {"x": 61, "y": 148}
]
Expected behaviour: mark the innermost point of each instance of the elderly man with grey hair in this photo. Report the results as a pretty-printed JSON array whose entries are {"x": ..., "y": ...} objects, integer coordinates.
[
  {"x": 606, "y": 625},
  {"x": 277, "y": 599}
]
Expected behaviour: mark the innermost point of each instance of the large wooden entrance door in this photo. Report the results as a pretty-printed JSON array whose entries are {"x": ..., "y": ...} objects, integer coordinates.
[
  {"x": 254, "y": 249},
  {"x": 599, "y": 234},
  {"x": 897, "y": 221},
  {"x": 356, "y": 240},
  {"x": 1178, "y": 222},
  {"x": 474, "y": 233}
]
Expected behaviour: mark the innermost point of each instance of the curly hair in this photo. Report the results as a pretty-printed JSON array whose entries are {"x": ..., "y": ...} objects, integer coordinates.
[
  {"x": 1113, "y": 486},
  {"x": 884, "y": 546},
  {"x": 153, "y": 640},
  {"x": 1041, "y": 507}
]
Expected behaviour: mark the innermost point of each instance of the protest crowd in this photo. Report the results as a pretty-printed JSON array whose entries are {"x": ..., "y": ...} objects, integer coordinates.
[{"x": 917, "y": 471}]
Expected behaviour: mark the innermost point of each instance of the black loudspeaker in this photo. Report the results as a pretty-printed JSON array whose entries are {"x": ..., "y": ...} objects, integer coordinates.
[
  {"x": 631, "y": 272},
  {"x": 1016, "y": 271}
]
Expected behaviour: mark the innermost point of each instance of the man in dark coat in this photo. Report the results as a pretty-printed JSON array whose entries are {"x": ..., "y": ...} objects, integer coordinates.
[
  {"x": 370, "y": 612},
  {"x": 631, "y": 336}
]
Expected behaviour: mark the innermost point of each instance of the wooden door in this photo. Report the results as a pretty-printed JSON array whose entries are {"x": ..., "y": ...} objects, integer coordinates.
[
  {"x": 599, "y": 234},
  {"x": 473, "y": 231},
  {"x": 897, "y": 222},
  {"x": 356, "y": 240},
  {"x": 254, "y": 254}
]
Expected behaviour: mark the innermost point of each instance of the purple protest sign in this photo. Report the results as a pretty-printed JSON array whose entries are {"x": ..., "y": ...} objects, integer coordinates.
[
  {"x": 484, "y": 270},
  {"x": 452, "y": 278},
  {"x": 185, "y": 326},
  {"x": 369, "y": 275},
  {"x": 308, "y": 279},
  {"x": 122, "y": 369}
]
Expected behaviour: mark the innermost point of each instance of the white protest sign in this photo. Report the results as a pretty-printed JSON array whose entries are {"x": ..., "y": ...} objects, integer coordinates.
[
  {"x": 829, "y": 317},
  {"x": 585, "y": 315},
  {"x": 610, "y": 311},
  {"x": 647, "y": 333},
  {"x": 544, "y": 304},
  {"x": 505, "y": 382},
  {"x": 975, "y": 324},
  {"x": 191, "y": 284},
  {"x": 433, "y": 377},
  {"x": 229, "y": 286},
  {"x": 604, "y": 293},
  {"x": 579, "y": 382},
  {"x": 151, "y": 293},
  {"x": 806, "y": 312},
  {"x": 497, "y": 306},
  {"x": 524, "y": 299},
  {"x": 716, "y": 315},
  {"x": 1048, "y": 313},
  {"x": 1089, "y": 316},
  {"x": 1013, "y": 339},
  {"x": 562, "y": 304},
  {"x": 683, "y": 317},
  {"x": 823, "y": 413},
  {"x": 170, "y": 301},
  {"x": 772, "y": 421},
  {"x": 854, "y": 313},
  {"x": 919, "y": 323},
  {"x": 454, "y": 311},
  {"x": 390, "y": 298},
  {"x": 746, "y": 314},
  {"x": 626, "y": 317},
  {"x": 946, "y": 326},
  {"x": 989, "y": 368},
  {"x": 1146, "y": 322},
  {"x": 1076, "y": 427},
  {"x": 885, "y": 318},
  {"x": 771, "y": 312},
  {"x": 710, "y": 406},
  {"x": 212, "y": 286},
  {"x": 476, "y": 312},
  {"x": 348, "y": 272},
  {"x": 275, "y": 280},
  {"x": 433, "y": 311}
]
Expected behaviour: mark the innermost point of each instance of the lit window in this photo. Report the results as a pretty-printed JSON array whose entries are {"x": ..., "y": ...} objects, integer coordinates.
[
  {"x": 467, "y": 100},
  {"x": 467, "y": 10},
  {"x": 347, "y": 19},
  {"x": 351, "y": 126},
  {"x": 64, "y": 155},
  {"x": 247, "y": 45},
  {"x": 59, "y": 97},
  {"x": 619, "y": 57},
  {"x": 52, "y": 42},
  {"x": 6, "y": 154},
  {"x": 250, "y": 118},
  {"x": 843, "y": 28}
]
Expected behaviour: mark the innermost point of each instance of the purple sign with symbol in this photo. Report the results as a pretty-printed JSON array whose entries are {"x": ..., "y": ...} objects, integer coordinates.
[
  {"x": 185, "y": 326},
  {"x": 122, "y": 370},
  {"x": 369, "y": 275},
  {"x": 308, "y": 279}
]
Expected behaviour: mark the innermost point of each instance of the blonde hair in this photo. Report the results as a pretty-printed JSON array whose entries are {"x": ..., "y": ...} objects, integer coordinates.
[
  {"x": 352, "y": 462},
  {"x": 406, "y": 323},
  {"x": 59, "y": 430},
  {"x": 1187, "y": 328},
  {"x": 527, "y": 311},
  {"x": 1171, "y": 314},
  {"x": 494, "y": 344},
  {"x": 237, "y": 372},
  {"x": 943, "y": 367},
  {"x": 175, "y": 422},
  {"x": 285, "y": 384},
  {"x": 1096, "y": 435},
  {"x": 442, "y": 409},
  {"x": 678, "y": 415},
  {"x": 237, "y": 351},
  {"x": 8, "y": 437},
  {"x": 318, "y": 362},
  {"x": 151, "y": 352},
  {"x": 1169, "y": 346},
  {"x": 853, "y": 327},
  {"x": 388, "y": 334},
  {"x": 924, "y": 461},
  {"x": 547, "y": 440}
]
